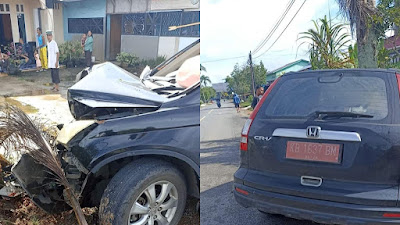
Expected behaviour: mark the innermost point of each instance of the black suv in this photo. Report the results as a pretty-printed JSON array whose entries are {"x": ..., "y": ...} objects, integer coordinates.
[
  {"x": 324, "y": 146},
  {"x": 133, "y": 149}
]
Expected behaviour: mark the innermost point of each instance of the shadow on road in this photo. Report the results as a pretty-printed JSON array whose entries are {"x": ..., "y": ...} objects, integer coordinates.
[
  {"x": 218, "y": 206},
  {"x": 220, "y": 151}
]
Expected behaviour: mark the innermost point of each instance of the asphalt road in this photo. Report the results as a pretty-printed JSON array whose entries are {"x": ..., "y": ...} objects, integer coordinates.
[{"x": 219, "y": 159}]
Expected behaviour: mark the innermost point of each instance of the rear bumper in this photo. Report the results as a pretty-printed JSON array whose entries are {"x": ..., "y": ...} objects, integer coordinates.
[{"x": 320, "y": 211}]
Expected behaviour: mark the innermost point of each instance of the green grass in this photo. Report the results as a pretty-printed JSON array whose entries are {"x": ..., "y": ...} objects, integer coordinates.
[{"x": 245, "y": 104}]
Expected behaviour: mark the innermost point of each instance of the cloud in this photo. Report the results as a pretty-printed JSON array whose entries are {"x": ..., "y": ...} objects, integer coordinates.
[{"x": 233, "y": 28}]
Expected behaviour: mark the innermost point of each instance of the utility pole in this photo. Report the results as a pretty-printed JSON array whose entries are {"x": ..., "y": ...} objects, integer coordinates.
[{"x": 252, "y": 74}]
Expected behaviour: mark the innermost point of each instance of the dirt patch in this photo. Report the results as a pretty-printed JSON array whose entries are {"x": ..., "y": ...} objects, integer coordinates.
[
  {"x": 191, "y": 216},
  {"x": 22, "y": 211},
  {"x": 51, "y": 97},
  {"x": 32, "y": 83},
  {"x": 28, "y": 109}
]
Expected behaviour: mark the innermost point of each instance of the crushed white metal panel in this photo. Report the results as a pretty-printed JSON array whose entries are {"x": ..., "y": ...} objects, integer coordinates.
[{"x": 107, "y": 78}]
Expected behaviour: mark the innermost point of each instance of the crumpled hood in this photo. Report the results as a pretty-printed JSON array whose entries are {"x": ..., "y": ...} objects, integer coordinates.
[{"x": 109, "y": 89}]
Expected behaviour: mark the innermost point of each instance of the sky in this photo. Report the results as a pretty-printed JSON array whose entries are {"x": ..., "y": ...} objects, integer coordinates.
[{"x": 231, "y": 28}]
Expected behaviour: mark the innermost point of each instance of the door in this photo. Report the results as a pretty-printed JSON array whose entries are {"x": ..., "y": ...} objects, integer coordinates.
[
  {"x": 21, "y": 27},
  {"x": 5, "y": 29},
  {"x": 115, "y": 35}
]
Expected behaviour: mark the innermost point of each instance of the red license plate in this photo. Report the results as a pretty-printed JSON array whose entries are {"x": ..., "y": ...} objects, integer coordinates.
[{"x": 311, "y": 151}]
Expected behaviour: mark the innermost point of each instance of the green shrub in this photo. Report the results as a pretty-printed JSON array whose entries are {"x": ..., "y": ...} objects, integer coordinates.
[
  {"x": 127, "y": 59},
  {"x": 152, "y": 63},
  {"x": 70, "y": 51}
]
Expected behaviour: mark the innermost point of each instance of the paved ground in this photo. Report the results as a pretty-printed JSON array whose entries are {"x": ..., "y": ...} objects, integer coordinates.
[{"x": 219, "y": 159}]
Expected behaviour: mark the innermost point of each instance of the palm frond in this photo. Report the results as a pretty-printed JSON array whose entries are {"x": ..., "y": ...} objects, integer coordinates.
[{"x": 17, "y": 131}]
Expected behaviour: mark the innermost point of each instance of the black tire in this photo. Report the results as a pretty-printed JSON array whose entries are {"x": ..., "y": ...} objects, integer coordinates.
[{"x": 128, "y": 184}]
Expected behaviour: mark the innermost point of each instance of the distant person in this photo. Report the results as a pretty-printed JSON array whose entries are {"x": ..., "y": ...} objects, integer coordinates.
[
  {"x": 236, "y": 100},
  {"x": 257, "y": 98},
  {"x": 54, "y": 55},
  {"x": 266, "y": 86},
  {"x": 83, "y": 40},
  {"x": 41, "y": 48},
  {"x": 38, "y": 63},
  {"x": 27, "y": 54},
  {"x": 88, "y": 48},
  {"x": 4, "y": 62}
]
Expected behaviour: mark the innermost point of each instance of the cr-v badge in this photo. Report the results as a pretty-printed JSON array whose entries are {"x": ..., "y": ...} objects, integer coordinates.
[{"x": 261, "y": 138}]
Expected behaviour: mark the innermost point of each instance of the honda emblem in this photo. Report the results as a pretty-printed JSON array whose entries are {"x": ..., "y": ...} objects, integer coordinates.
[{"x": 313, "y": 131}]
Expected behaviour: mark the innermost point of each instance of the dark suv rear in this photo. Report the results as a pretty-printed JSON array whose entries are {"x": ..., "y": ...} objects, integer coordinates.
[{"x": 324, "y": 146}]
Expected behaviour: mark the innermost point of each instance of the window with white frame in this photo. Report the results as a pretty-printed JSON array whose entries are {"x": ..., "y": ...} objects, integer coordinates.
[{"x": 4, "y": 8}]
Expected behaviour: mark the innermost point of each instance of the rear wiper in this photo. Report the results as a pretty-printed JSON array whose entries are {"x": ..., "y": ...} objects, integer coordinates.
[{"x": 331, "y": 114}]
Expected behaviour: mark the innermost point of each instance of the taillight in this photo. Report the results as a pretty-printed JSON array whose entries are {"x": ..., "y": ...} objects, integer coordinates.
[
  {"x": 245, "y": 132},
  {"x": 391, "y": 215},
  {"x": 247, "y": 125},
  {"x": 242, "y": 191},
  {"x": 398, "y": 81}
]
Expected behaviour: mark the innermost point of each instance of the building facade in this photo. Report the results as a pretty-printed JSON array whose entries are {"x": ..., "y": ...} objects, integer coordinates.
[
  {"x": 299, "y": 65},
  {"x": 140, "y": 27},
  {"x": 20, "y": 18},
  {"x": 84, "y": 15}
]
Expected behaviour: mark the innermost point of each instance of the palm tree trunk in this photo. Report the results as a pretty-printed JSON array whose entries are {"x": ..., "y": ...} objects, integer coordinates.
[{"x": 367, "y": 42}]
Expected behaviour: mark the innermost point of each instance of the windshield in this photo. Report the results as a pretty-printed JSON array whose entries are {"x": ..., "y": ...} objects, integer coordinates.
[{"x": 300, "y": 97}]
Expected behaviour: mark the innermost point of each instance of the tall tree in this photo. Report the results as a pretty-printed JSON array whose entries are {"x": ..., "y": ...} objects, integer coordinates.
[
  {"x": 327, "y": 42},
  {"x": 240, "y": 79},
  {"x": 360, "y": 14},
  {"x": 204, "y": 80}
]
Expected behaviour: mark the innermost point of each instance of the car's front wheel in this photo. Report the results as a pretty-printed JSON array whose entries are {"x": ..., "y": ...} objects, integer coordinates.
[{"x": 144, "y": 192}]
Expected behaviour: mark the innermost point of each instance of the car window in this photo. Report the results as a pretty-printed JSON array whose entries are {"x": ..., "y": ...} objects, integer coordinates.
[{"x": 300, "y": 97}]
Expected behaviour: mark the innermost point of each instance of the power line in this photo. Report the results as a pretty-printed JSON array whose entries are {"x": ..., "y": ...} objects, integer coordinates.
[
  {"x": 217, "y": 60},
  {"x": 237, "y": 57},
  {"x": 283, "y": 30},
  {"x": 266, "y": 39}
]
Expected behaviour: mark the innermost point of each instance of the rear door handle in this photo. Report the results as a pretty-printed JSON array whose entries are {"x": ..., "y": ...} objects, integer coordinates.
[{"x": 311, "y": 181}]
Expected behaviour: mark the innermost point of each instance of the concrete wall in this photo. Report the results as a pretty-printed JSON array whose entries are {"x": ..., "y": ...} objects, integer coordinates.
[
  {"x": 148, "y": 47},
  {"x": 172, "y": 4},
  {"x": 135, "y": 6},
  {"x": 127, "y": 6},
  {"x": 145, "y": 47},
  {"x": 168, "y": 46},
  {"x": 86, "y": 9},
  {"x": 58, "y": 22}
]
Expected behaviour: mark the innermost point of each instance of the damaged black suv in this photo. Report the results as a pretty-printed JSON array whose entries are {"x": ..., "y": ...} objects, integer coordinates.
[{"x": 133, "y": 149}]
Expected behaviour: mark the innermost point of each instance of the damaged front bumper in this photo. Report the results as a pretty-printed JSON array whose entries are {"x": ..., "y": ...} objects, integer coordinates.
[{"x": 41, "y": 186}]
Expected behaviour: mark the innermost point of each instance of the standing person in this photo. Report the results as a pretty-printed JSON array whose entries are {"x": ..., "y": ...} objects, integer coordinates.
[
  {"x": 38, "y": 63},
  {"x": 42, "y": 48},
  {"x": 83, "y": 40},
  {"x": 54, "y": 55},
  {"x": 257, "y": 98},
  {"x": 4, "y": 62},
  {"x": 89, "y": 48},
  {"x": 236, "y": 100}
]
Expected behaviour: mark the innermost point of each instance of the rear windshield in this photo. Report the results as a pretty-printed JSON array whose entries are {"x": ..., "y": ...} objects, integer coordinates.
[{"x": 300, "y": 97}]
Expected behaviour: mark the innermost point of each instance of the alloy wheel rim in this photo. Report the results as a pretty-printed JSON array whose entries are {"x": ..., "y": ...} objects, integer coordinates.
[{"x": 156, "y": 205}]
